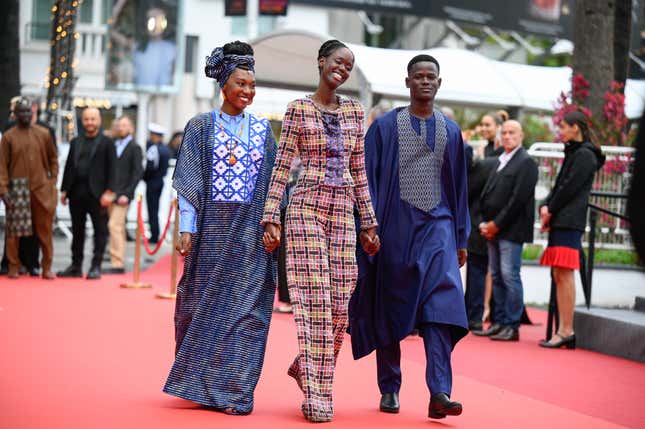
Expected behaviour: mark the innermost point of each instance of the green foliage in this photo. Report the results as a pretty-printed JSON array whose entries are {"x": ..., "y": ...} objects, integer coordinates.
[
  {"x": 533, "y": 252},
  {"x": 536, "y": 129}
]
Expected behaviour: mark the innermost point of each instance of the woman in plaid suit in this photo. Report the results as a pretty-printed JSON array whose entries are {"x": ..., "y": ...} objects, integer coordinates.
[{"x": 326, "y": 132}]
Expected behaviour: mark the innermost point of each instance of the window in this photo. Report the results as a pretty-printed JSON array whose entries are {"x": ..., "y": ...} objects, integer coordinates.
[
  {"x": 239, "y": 25},
  {"x": 191, "y": 53},
  {"x": 86, "y": 9},
  {"x": 40, "y": 25}
]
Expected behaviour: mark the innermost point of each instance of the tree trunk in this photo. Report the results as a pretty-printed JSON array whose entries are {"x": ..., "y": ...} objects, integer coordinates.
[
  {"x": 593, "y": 55},
  {"x": 622, "y": 33},
  {"x": 9, "y": 57}
]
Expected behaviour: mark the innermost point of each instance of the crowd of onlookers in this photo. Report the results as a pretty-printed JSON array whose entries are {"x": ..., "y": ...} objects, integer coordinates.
[{"x": 101, "y": 171}]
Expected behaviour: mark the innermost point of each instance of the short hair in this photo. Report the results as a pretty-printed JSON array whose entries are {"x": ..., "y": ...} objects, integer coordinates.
[
  {"x": 423, "y": 58},
  {"x": 238, "y": 48},
  {"x": 329, "y": 47}
]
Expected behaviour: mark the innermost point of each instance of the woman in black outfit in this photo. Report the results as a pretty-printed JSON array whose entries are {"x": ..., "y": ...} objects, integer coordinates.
[{"x": 563, "y": 214}]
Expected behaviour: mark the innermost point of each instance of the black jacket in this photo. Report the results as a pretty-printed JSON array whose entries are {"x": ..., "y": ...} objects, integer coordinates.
[
  {"x": 151, "y": 172},
  {"x": 101, "y": 166},
  {"x": 508, "y": 198},
  {"x": 477, "y": 177},
  {"x": 568, "y": 199},
  {"x": 128, "y": 170}
]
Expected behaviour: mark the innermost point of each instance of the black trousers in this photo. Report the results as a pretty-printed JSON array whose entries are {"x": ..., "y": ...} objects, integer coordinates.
[
  {"x": 28, "y": 252},
  {"x": 153, "y": 194},
  {"x": 283, "y": 289},
  {"x": 81, "y": 205}
]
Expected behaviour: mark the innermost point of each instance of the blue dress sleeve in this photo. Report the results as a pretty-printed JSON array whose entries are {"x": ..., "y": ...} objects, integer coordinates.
[
  {"x": 187, "y": 215},
  {"x": 461, "y": 213}
]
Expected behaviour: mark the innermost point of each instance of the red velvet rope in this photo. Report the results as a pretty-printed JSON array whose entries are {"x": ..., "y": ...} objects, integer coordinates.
[{"x": 142, "y": 228}]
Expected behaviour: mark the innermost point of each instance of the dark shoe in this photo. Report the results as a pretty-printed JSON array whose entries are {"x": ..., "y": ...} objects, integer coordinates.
[
  {"x": 71, "y": 271},
  {"x": 113, "y": 270},
  {"x": 507, "y": 334},
  {"x": 389, "y": 403},
  {"x": 441, "y": 406},
  {"x": 492, "y": 330},
  {"x": 4, "y": 271},
  {"x": 475, "y": 326},
  {"x": 566, "y": 342},
  {"x": 94, "y": 273},
  {"x": 48, "y": 275},
  {"x": 34, "y": 272},
  {"x": 23, "y": 270}
]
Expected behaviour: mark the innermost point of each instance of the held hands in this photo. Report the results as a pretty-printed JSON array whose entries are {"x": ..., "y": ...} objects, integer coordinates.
[
  {"x": 271, "y": 236},
  {"x": 370, "y": 241},
  {"x": 184, "y": 243},
  {"x": 462, "y": 255},
  {"x": 107, "y": 198},
  {"x": 123, "y": 200},
  {"x": 545, "y": 218},
  {"x": 488, "y": 229}
]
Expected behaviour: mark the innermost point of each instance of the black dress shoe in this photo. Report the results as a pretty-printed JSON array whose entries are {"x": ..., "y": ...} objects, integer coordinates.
[
  {"x": 507, "y": 334},
  {"x": 491, "y": 330},
  {"x": 475, "y": 326},
  {"x": 34, "y": 272},
  {"x": 112, "y": 270},
  {"x": 71, "y": 271},
  {"x": 389, "y": 403},
  {"x": 441, "y": 406},
  {"x": 94, "y": 273},
  {"x": 4, "y": 271},
  {"x": 566, "y": 342}
]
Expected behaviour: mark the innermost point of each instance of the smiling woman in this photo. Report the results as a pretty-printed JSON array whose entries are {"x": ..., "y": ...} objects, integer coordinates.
[
  {"x": 225, "y": 296},
  {"x": 326, "y": 132}
]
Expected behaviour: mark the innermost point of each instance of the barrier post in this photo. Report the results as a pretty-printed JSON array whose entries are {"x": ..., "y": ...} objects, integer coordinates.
[
  {"x": 137, "y": 253},
  {"x": 173, "y": 259}
]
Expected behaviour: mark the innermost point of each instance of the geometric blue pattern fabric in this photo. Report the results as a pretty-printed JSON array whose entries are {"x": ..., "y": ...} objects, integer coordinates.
[
  {"x": 236, "y": 182},
  {"x": 225, "y": 295}
]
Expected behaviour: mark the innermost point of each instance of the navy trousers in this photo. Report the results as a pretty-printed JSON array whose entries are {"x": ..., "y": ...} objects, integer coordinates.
[
  {"x": 153, "y": 193},
  {"x": 438, "y": 347}
]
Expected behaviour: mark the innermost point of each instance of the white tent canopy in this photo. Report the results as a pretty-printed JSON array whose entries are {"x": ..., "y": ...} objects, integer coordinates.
[{"x": 287, "y": 59}]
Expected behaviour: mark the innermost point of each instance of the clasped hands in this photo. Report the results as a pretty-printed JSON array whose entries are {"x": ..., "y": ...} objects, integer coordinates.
[
  {"x": 488, "y": 229},
  {"x": 368, "y": 238},
  {"x": 545, "y": 219}
]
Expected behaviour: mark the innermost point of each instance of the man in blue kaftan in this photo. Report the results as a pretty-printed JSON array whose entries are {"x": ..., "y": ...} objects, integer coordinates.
[{"x": 416, "y": 168}]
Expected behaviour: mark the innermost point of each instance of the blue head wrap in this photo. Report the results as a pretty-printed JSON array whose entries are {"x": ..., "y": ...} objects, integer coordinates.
[{"x": 220, "y": 66}]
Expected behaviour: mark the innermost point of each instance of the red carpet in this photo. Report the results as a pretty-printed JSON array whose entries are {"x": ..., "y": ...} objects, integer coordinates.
[{"x": 80, "y": 354}]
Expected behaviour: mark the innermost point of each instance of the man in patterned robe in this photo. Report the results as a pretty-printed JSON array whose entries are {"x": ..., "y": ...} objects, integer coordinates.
[
  {"x": 28, "y": 172},
  {"x": 416, "y": 169}
]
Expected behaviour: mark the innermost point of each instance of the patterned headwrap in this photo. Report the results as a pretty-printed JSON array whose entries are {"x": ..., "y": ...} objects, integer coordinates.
[{"x": 220, "y": 66}]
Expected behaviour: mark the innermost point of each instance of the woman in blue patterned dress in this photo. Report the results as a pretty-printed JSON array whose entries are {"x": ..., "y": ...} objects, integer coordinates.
[{"x": 225, "y": 296}]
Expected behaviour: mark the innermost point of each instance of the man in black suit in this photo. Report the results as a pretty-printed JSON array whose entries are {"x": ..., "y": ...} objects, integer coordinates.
[
  {"x": 157, "y": 157},
  {"x": 508, "y": 213},
  {"x": 87, "y": 178},
  {"x": 477, "y": 262},
  {"x": 128, "y": 171}
]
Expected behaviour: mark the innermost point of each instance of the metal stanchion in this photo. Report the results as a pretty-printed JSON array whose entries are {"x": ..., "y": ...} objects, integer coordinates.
[
  {"x": 173, "y": 259},
  {"x": 137, "y": 253}
]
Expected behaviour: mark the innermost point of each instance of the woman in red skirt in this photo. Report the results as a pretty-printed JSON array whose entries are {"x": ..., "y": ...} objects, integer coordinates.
[{"x": 563, "y": 214}]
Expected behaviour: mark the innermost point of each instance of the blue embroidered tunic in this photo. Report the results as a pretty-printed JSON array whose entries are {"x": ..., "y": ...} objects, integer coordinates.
[
  {"x": 414, "y": 279},
  {"x": 225, "y": 296}
]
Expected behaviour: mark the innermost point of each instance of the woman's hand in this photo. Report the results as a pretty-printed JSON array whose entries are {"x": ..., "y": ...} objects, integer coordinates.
[
  {"x": 545, "y": 218},
  {"x": 271, "y": 236},
  {"x": 184, "y": 243},
  {"x": 370, "y": 241}
]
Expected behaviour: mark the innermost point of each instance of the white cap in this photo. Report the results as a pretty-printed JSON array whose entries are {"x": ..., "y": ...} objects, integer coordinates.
[{"x": 156, "y": 128}]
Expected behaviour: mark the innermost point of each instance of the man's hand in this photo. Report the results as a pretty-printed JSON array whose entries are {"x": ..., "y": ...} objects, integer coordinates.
[
  {"x": 370, "y": 241},
  {"x": 63, "y": 198},
  {"x": 271, "y": 236},
  {"x": 488, "y": 229},
  {"x": 184, "y": 243},
  {"x": 462, "y": 255},
  {"x": 123, "y": 200},
  {"x": 107, "y": 198}
]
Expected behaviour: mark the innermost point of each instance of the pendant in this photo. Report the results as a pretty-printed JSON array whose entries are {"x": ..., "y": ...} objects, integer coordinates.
[{"x": 232, "y": 160}]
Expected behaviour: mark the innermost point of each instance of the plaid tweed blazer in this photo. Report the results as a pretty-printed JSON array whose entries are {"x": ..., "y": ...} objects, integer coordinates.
[{"x": 303, "y": 135}]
